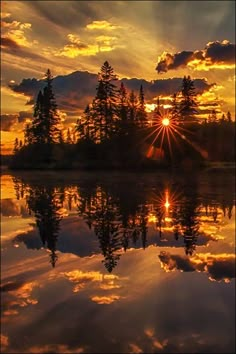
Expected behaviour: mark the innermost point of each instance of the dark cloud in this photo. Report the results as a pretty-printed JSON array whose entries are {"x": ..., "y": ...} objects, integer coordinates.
[
  {"x": 219, "y": 267},
  {"x": 8, "y": 121},
  {"x": 8, "y": 43},
  {"x": 221, "y": 53},
  {"x": 74, "y": 91},
  {"x": 23, "y": 116}
]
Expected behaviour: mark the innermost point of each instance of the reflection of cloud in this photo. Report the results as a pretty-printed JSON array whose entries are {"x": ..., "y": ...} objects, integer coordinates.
[
  {"x": 216, "y": 55},
  {"x": 20, "y": 295},
  {"x": 105, "y": 300},
  {"x": 54, "y": 348},
  {"x": 134, "y": 348},
  {"x": 4, "y": 342},
  {"x": 219, "y": 267},
  {"x": 82, "y": 278}
]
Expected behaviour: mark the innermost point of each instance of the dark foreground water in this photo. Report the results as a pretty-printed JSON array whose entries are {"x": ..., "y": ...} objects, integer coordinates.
[{"x": 118, "y": 263}]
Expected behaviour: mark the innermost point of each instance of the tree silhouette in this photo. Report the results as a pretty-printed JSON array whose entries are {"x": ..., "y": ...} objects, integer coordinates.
[
  {"x": 43, "y": 201},
  {"x": 174, "y": 111},
  {"x": 141, "y": 113},
  {"x": 44, "y": 127},
  {"x": 188, "y": 105},
  {"x": 104, "y": 109}
]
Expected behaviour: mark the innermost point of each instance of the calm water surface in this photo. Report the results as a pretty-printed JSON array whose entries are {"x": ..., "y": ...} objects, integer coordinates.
[{"x": 117, "y": 263}]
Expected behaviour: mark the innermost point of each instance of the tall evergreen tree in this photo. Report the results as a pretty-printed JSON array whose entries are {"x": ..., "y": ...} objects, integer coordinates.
[
  {"x": 44, "y": 127},
  {"x": 174, "y": 111},
  {"x": 50, "y": 114},
  {"x": 141, "y": 113},
  {"x": 122, "y": 108},
  {"x": 132, "y": 107},
  {"x": 188, "y": 104},
  {"x": 229, "y": 118},
  {"x": 104, "y": 104}
]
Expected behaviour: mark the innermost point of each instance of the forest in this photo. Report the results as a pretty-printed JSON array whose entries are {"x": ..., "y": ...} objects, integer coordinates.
[{"x": 116, "y": 132}]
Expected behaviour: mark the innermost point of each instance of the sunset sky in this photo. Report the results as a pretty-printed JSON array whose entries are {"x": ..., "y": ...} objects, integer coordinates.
[{"x": 149, "y": 40}]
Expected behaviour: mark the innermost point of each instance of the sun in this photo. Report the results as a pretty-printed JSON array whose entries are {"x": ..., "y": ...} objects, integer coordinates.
[{"x": 165, "y": 122}]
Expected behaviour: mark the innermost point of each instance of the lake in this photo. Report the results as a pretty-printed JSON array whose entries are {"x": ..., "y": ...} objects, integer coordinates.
[{"x": 103, "y": 262}]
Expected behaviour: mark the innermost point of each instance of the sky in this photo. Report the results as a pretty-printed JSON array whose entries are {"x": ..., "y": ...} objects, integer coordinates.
[{"x": 146, "y": 40}]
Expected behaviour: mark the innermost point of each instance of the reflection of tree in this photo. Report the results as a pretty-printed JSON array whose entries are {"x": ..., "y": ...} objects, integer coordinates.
[
  {"x": 120, "y": 213},
  {"x": 106, "y": 227},
  {"x": 114, "y": 229},
  {"x": 45, "y": 202},
  {"x": 186, "y": 218}
]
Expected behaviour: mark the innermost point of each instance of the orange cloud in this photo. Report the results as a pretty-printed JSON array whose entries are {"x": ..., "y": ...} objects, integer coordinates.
[
  {"x": 54, "y": 348},
  {"x": 105, "y": 300}
]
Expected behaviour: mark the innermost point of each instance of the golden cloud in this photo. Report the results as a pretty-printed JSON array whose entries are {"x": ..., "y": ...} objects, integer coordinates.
[
  {"x": 105, "y": 300},
  {"x": 76, "y": 47},
  {"x": 101, "y": 25},
  {"x": 15, "y": 31}
]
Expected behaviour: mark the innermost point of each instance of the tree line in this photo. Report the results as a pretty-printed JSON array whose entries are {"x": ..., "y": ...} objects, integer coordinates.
[{"x": 113, "y": 126}]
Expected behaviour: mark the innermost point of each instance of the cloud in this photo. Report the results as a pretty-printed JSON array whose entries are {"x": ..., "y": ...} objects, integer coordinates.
[
  {"x": 74, "y": 91},
  {"x": 76, "y": 47},
  {"x": 8, "y": 121},
  {"x": 101, "y": 25},
  {"x": 24, "y": 116},
  {"x": 15, "y": 31},
  {"x": 105, "y": 300},
  {"x": 216, "y": 55},
  {"x": 219, "y": 267},
  {"x": 8, "y": 43}
]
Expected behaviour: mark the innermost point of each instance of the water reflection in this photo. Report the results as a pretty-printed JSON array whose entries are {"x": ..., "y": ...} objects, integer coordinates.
[{"x": 123, "y": 215}]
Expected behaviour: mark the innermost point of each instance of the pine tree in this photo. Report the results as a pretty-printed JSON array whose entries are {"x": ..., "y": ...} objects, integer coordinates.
[
  {"x": 229, "y": 118},
  {"x": 50, "y": 115},
  {"x": 174, "y": 112},
  {"x": 122, "y": 108},
  {"x": 16, "y": 146},
  {"x": 104, "y": 104},
  {"x": 141, "y": 113},
  {"x": 223, "y": 119},
  {"x": 188, "y": 105},
  {"x": 132, "y": 107},
  {"x": 212, "y": 117}
]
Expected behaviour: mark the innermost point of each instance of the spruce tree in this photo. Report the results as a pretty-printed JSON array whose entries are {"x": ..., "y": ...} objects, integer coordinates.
[
  {"x": 188, "y": 105},
  {"x": 44, "y": 127},
  {"x": 132, "y": 107},
  {"x": 229, "y": 118},
  {"x": 122, "y": 108},
  {"x": 104, "y": 104},
  {"x": 141, "y": 113},
  {"x": 174, "y": 111}
]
